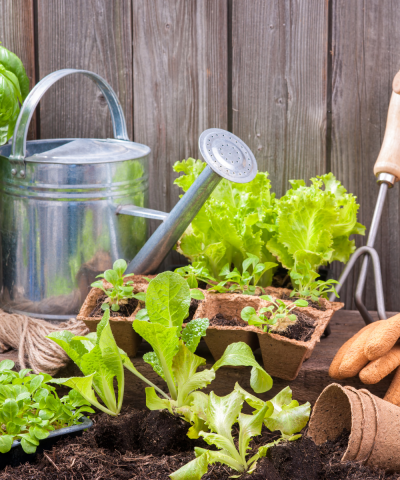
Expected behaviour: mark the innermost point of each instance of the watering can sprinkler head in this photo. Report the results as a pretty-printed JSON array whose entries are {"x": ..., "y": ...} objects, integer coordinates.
[{"x": 227, "y": 156}]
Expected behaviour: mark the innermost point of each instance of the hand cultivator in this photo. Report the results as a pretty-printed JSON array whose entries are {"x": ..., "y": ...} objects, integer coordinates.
[{"x": 387, "y": 171}]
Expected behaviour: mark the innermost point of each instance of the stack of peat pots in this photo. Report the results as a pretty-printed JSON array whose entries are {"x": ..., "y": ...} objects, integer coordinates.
[{"x": 373, "y": 423}]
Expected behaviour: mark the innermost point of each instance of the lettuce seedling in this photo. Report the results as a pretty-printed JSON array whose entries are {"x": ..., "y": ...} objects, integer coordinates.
[
  {"x": 307, "y": 286},
  {"x": 221, "y": 413},
  {"x": 244, "y": 281},
  {"x": 101, "y": 361},
  {"x": 173, "y": 357},
  {"x": 277, "y": 313},
  {"x": 120, "y": 292},
  {"x": 194, "y": 274},
  {"x": 30, "y": 408}
]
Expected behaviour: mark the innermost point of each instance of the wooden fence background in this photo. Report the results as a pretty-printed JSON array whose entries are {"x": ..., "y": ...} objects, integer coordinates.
[{"x": 306, "y": 83}]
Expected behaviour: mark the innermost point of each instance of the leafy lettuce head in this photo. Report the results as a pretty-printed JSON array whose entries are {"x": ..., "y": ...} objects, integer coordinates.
[
  {"x": 313, "y": 224},
  {"x": 235, "y": 220},
  {"x": 14, "y": 88}
]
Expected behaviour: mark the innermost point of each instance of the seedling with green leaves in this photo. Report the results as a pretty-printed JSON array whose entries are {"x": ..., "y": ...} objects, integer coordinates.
[
  {"x": 101, "y": 361},
  {"x": 245, "y": 281},
  {"x": 274, "y": 317},
  {"x": 120, "y": 292},
  {"x": 30, "y": 408},
  {"x": 173, "y": 357},
  {"x": 221, "y": 413},
  {"x": 307, "y": 286},
  {"x": 194, "y": 274}
]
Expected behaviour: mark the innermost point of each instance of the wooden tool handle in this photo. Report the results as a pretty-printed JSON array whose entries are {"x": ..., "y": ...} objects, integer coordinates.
[{"x": 388, "y": 160}]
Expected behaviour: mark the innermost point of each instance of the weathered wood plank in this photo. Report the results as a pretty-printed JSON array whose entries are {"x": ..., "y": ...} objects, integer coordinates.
[
  {"x": 279, "y": 68},
  {"x": 17, "y": 35},
  {"x": 365, "y": 60},
  {"x": 312, "y": 379},
  {"x": 95, "y": 36},
  {"x": 180, "y": 84}
]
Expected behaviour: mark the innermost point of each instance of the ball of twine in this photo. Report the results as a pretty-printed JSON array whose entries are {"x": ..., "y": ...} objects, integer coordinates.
[{"x": 28, "y": 336}]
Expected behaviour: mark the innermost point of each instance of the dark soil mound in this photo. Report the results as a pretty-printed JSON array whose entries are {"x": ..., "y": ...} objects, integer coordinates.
[
  {"x": 301, "y": 330},
  {"x": 124, "y": 310},
  {"x": 220, "y": 320},
  {"x": 143, "y": 445}
]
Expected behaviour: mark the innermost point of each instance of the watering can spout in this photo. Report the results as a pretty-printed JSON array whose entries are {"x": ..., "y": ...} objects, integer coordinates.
[{"x": 227, "y": 157}]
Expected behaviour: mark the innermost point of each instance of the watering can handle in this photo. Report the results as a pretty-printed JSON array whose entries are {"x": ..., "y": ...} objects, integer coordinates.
[{"x": 18, "y": 149}]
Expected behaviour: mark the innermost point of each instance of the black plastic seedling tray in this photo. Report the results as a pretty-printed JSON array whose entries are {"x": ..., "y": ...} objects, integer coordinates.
[{"x": 16, "y": 455}]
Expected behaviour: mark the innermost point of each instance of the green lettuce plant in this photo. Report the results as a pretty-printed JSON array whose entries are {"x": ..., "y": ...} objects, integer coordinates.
[
  {"x": 312, "y": 227},
  {"x": 173, "y": 357},
  {"x": 100, "y": 360},
  {"x": 30, "y": 408},
  {"x": 306, "y": 228},
  {"x": 306, "y": 283},
  {"x": 221, "y": 413},
  {"x": 120, "y": 292},
  {"x": 230, "y": 224},
  {"x": 276, "y": 313},
  {"x": 14, "y": 88}
]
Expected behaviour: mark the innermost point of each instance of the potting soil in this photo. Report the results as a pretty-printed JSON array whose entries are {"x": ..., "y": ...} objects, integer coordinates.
[
  {"x": 143, "y": 445},
  {"x": 124, "y": 310},
  {"x": 301, "y": 330}
]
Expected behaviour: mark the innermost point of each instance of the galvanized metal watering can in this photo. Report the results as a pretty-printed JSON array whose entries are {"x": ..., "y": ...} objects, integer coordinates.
[{"x": 58, "y": 200}]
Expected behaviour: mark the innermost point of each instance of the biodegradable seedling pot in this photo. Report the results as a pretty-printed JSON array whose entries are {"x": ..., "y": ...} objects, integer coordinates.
[
  {"x": 121, "y": 327},
  {"x": 373, "y": 423},
  {"x": 283, "y": 357},
  {"x": 230, "y": 306},
  {"x": 16, "y": 456}
]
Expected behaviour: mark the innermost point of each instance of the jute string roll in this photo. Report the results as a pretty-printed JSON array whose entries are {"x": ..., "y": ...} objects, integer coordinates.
[{"x": 28, "y": 336}]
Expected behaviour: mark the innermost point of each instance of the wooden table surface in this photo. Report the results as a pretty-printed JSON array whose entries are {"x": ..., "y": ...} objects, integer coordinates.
[{"x": 312, "y": 379}]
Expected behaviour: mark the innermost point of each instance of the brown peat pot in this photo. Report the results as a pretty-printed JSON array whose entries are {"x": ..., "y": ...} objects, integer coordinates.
[
  {"x": 373, "y": 423},
  {"x": 282, "y": 357},
  {"x": 230, "y": 305},
  {"x": 126, "y": 338}
]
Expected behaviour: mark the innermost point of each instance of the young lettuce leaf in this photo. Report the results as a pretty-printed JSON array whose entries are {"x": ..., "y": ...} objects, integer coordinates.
[
  {"x": 221, "y": 413},
  {"x": 173, "y": 357},
  {"x": 99, "y": 361}
]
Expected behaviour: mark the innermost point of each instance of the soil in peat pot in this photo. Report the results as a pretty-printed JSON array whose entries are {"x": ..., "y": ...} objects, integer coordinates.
[
  {"x": 192, "y": 309},
  {"x": 124, "y": 310},
  {"x": 311, "y": 304},
  {"x": 143, "y": 445},
  {"x": 301, "y": 330}
]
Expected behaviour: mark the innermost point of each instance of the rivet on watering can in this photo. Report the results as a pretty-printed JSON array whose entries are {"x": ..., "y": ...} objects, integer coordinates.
[
  {"x": 13, "y": 171},
  {"x": 22, "y": 173}
]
